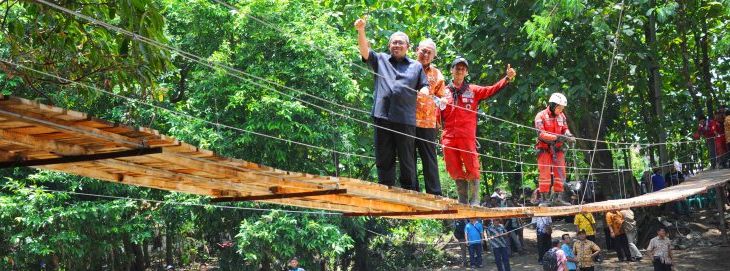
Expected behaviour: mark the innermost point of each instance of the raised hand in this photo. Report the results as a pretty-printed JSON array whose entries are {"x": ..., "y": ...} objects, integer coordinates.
[
  {"x": 511, "y": 73},
  {"x": 360, "y": 24}
]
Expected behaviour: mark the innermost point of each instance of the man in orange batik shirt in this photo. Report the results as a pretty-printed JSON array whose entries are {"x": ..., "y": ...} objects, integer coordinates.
[{"x": 427, "y": 116}]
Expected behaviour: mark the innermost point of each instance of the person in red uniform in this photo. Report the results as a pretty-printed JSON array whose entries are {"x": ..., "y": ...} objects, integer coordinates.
[
  {"x": 553, "y": 132},
  {"x": 459, "y": 118},
  {"x": 720, "y": 147},
  {"x": 708, "y": 129}
]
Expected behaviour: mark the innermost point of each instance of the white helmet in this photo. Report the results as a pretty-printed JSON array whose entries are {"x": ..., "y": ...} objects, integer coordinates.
[{"x": 559, "y": 99}]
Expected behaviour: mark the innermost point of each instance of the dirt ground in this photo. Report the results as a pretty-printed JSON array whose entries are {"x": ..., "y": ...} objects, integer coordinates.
[{"x": 700, "y": 258}]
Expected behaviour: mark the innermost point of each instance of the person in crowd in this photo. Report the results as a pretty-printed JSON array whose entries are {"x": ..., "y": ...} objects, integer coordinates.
[
  {"x": 514, "y": 227},
  {"x": 294, "y": 265},
  {"x": 544, "y": 230},
  {"x": 567, "y": 248},
  {"x": 555, "y": 259},
  {"x": 720, "y": 143},
  {"x": 459, "y": 227},
  {"x": 474, "y": 232},
  {"x": 615, "y": 222},
  {"x": 657, "y": 181},
  {"x": 645, "y": 183},
  {"x": 460, "y": 122},
  {"x": 397, "y": 81},
  {"x": 660, "y": 249},
  {"x": 630, "y": 229},
  {"x": 499, "y": 243},
  {"x": 586, "y": 222},
  {"x": 726, "y": 124},
  {"x": 707, "y": 129},
  {"x": 585, "y": 251}
]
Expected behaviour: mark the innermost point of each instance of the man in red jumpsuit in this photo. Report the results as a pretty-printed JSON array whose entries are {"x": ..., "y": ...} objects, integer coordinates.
[
  {"x": 460, "y": 122},
  {"x": 708, "y": 129},
  {"x": 553, "y": 133},
  {"x": 720, "y": 148}
]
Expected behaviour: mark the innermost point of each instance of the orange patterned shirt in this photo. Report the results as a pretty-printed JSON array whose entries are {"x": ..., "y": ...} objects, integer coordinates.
[{"x": 427, "y": 113}]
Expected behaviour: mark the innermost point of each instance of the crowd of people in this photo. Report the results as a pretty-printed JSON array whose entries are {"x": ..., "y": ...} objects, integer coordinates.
[{"x": 564, "y": 252}]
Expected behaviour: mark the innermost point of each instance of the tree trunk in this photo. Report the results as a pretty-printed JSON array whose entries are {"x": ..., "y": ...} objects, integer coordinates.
[
  {"x": 362, "y": 253},
  {"x": 686, "y": 74},
  {"x": 655, "y": 90},
  {"x": 588, "y": 126},
  {"x": 113, "y": 261},
  {"x": 169, "y": 257},
  {"x": 720, "y": 201},
  {"x": 706, "y": 76},
  {"x": 698, "y": 62},
  {"x": 146, "y": 253}
]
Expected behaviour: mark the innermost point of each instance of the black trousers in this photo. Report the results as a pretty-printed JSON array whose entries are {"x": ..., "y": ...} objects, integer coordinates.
[
  {"x": 388, "y": 146},
  {"x": 427, "y": 151},
  {"x": 544, "y": 243},
  {"x": 586, "y": 268},
  {"x": 621, "y": 244}
]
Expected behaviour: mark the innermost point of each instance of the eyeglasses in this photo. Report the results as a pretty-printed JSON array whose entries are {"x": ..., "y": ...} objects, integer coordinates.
[{"x": 398, "y": 42}]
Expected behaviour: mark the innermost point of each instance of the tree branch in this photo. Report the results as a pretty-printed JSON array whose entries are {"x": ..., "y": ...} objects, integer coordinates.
[
  {"x": 29, "y": 82},
  {"x": 7, "y": 10}
]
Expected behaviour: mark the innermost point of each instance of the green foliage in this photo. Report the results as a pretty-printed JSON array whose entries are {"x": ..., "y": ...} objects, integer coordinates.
[
  {"x": 47, "y": 39},
  {"x": 275, "y": 238},
  {"x": 407, "y": 246}
]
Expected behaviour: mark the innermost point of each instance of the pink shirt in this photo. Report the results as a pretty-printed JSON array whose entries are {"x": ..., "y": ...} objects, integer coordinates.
[{"x": 562, "y": 260}]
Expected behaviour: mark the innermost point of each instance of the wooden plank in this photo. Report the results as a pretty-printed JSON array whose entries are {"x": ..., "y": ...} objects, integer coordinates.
[
  {"x": 393, "y": 214},
  {"x": 9, "y": 156},
  {"x": 40, "y": 120},
  {"x": 203, "y": 182},
  {"x": 42, "y": 144},
  {"x": 281, "y": 195},
  {"x": 79, "y": 158},
  {"x": 354, "y": 200},
  {"x": 144, "y": 181},
  {"x": 9, "y": 124}
]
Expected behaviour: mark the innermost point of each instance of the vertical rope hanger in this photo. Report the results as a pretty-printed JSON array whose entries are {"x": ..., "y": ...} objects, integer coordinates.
[
  {"x": 576, "y": 176},
  {"x": 522, "y": 171}
]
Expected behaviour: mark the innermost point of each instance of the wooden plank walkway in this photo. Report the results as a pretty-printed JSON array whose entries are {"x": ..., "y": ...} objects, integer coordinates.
[{"x": 34, "y": 131}]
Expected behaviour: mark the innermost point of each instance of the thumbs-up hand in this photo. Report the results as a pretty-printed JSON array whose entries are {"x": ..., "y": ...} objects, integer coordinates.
[{"x": 511, "y": 73}]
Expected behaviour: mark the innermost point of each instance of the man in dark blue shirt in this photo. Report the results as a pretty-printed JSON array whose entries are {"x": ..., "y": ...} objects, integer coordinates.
[
  {"x": 398, "y": 81},
  {"x": 657, "y": 180}
]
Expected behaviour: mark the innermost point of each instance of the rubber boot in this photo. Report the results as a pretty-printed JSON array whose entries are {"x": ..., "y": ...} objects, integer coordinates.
[
  {"x": 543, "y": 200},
  {"x": 474, "y": 192},
  {"x": 556, "y": 200},
  {"x": 462, "y": 187}
]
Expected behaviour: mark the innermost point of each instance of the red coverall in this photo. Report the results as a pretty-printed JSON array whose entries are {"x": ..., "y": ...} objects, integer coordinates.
[
  {"x": 720, "y": 147},
  {"x": 711, "y": 130},
  {"x": 551, "y": 158},
  {"x": 460, "y": 129}
]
